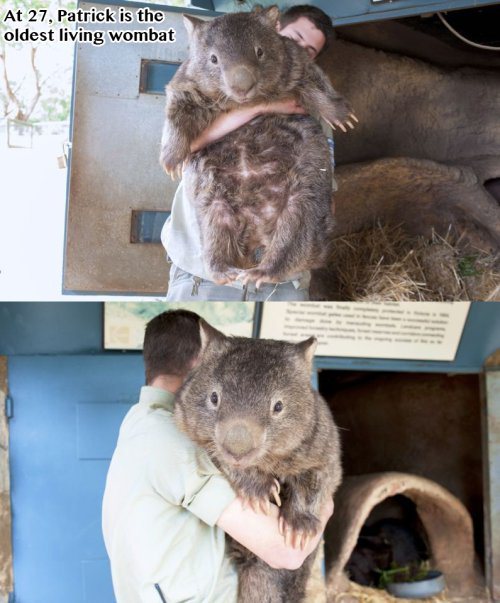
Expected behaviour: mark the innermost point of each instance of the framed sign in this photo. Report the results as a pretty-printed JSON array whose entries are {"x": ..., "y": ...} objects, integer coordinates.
[
  {"x": 124, "y": 322},
  {"x": 392, "y": 330}
]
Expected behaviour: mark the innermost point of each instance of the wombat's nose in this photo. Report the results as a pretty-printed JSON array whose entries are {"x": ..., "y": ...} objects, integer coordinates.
[
  {"x": 238, "y": 440},
  {"x": 241, "y": 80}
]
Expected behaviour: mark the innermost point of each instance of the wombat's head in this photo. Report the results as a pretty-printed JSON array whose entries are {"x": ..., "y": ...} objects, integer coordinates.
[
  {"x": 237, "y": 55},
  {"x": 248, "y": 400}
]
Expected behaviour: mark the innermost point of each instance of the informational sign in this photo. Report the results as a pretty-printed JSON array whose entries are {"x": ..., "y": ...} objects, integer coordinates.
[
  {"x": 396, "y": 330},
  {"x": 124, "y": 323}
]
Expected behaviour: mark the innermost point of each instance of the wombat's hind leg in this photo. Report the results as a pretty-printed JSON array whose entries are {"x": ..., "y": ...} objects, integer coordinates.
[
  {"x": 259, "y": 583},
  {"x": 288, "y": 251},
  {"x": 222, "y": 242}
]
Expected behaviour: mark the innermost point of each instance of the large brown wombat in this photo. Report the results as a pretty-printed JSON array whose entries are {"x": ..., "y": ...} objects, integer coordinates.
[
  {"x": 249, "y": 403},
  {"x": 263, "y": 192}
]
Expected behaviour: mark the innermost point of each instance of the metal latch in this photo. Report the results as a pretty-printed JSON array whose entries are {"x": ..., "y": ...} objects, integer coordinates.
[
  {"x": 62, "y": 160},
  {"x": 9, "y": 409}
]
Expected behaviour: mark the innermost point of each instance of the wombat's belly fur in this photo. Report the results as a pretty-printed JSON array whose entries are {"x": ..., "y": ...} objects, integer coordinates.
[{"x": 263, "y": 197}]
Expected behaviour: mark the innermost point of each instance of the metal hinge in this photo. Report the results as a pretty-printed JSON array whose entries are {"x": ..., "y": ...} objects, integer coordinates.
[{"x": 9, "y": 413}]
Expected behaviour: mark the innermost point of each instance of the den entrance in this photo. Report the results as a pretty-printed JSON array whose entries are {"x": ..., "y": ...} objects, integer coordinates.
[{"x": 413, "y": 490}]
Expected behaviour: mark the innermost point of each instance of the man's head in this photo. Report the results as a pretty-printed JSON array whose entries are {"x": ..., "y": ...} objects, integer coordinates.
[
  {"x": 309, "y": 26},
  {"x": 171, "y": 344}
]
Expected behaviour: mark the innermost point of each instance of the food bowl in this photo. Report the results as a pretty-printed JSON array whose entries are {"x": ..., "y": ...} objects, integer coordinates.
[{"x": 433, "y": 584}]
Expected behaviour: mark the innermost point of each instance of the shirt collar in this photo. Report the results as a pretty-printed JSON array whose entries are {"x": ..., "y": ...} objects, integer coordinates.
[{"x": 155, "y": 397}]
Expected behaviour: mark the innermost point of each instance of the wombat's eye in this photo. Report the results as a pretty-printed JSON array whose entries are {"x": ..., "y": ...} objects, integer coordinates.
[
  {"x": 213, "y": 58},
  {"x": 214, "y": 398},
  {"x": 278, "y": 407},
  {"x": 259, "y": 52}
]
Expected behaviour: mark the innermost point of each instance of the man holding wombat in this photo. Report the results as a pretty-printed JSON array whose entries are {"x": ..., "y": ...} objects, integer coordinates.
[
  {"x": 181, "y": 236},
  {"x": 166, "y": 506}
]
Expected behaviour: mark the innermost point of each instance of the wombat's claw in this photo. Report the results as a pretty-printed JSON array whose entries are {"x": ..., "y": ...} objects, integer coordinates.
[
  {"x": 293, "y": 538},
  {"x": 174, "y": 172},
  {"x": 243, "y": 278},
  {"x": 341, "y": 126},
  {"x": 281, "y": 525},
  {"x": 226, "y": 277},
  {"x": 275, "y": 491},
  {"x": 258, "y": 505},
  {"x": 351, "y": 115}
]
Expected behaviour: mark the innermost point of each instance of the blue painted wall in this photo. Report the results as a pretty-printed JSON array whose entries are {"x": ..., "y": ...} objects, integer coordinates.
[
  {"x": 67, "y": 412},
  {"x": 50, "y": 328},
  {"x": 69, "y": 397}
]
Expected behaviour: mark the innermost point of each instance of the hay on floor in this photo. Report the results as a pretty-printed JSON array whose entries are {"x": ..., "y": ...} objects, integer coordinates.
[
  {"x": 364, "y": 594},
  {"x": 384, "y": 263}
]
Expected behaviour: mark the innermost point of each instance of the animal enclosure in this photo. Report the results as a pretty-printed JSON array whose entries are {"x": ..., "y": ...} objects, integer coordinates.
[
  {"x": 426, "y": 153},
  {"x": 397, "y": 425}
]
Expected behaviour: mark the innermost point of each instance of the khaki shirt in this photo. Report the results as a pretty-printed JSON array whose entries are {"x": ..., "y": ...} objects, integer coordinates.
[{"x": 162, "y": 499}]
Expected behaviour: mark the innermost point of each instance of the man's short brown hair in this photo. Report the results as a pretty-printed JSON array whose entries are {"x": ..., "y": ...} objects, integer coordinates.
[
  {"x": 318, "y": 18},
  {"x": 171, "y": 344}
]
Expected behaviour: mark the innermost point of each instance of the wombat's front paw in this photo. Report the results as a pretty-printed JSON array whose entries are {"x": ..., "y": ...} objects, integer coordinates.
[
  {"x": 259, "y": 498},
  {"x": 258, "y": 276},
  {"x": 340, "y": 116},
  {"x": 297, "y": 528},
  {"x": 171, "y": 162},
  {"x": 224, "y": 277}
]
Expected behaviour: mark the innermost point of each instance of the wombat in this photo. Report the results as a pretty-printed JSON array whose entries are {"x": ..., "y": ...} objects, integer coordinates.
[
  {"x": 250, "y": 404},
  {"x": 262, "y": 193}
]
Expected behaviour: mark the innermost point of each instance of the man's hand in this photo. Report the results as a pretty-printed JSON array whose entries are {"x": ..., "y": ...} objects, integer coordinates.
[
  {"x": 232, "y": 120},
  {"x": 259, "y": 532}
]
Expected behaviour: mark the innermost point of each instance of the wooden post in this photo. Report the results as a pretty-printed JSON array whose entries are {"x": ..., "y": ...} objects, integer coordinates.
[
  {"x": 491, "y": 463},
  {"x": 6, "y": 580}
]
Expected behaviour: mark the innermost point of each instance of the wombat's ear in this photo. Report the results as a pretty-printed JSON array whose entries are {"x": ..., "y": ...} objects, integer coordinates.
[
  {"x": 191, "y": 24},
  {"x": 208, "y": 334},
  {"x": 269, "y": 15},
  {"x": 307, "y": 348}
]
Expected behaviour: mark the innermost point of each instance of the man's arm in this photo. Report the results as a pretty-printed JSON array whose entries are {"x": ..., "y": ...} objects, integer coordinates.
[
  {"x": 260, "y": 534},
  {"x": 232, "y": 120}
]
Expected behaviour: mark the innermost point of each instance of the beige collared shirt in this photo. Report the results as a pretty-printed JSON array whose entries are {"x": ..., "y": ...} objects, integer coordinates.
[{"x": 162, "y": 499}]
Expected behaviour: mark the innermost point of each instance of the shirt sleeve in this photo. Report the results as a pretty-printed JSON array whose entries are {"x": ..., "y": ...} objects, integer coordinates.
[
  {"x": 208, "y": 492},
  {"x": 184, "y": 475}
]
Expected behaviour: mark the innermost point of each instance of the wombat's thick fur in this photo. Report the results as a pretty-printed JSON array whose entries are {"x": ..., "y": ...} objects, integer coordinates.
[
  {"x": 262, "y": 193},
  {"x": 249, "y": 403}
]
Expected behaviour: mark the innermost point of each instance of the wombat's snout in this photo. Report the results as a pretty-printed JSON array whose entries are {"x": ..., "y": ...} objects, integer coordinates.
[
  {"x": 239, "y": 439},
  {"x": 241, "y": 80}
]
